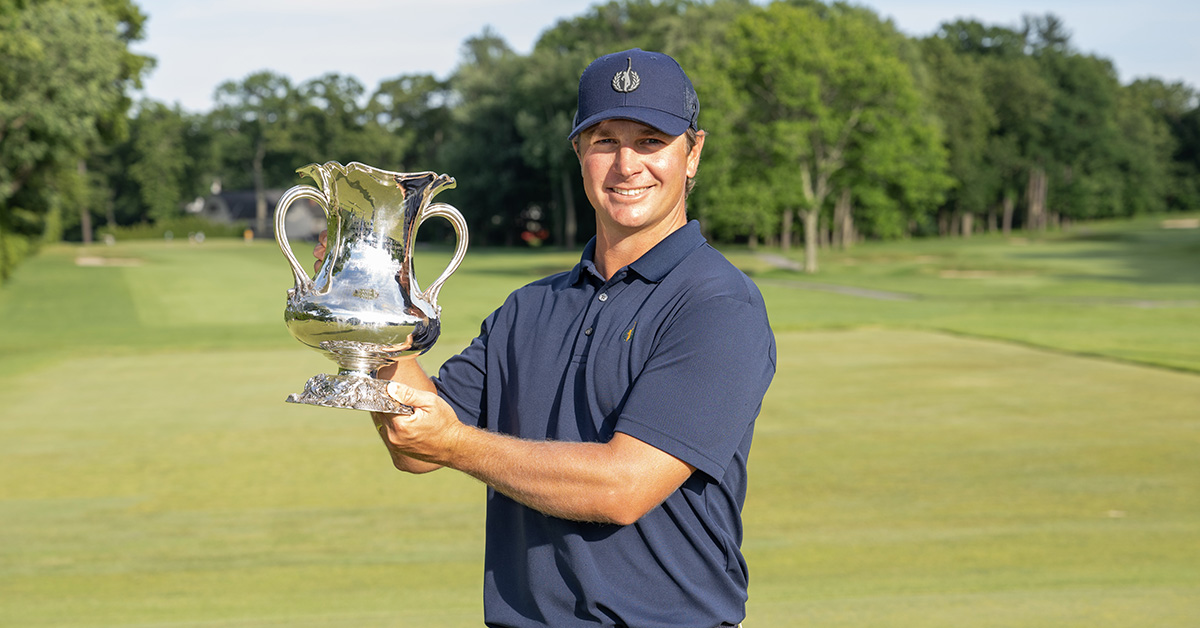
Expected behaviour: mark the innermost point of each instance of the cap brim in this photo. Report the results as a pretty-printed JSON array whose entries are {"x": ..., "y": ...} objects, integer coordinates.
[{"x": 668, "y": 123}]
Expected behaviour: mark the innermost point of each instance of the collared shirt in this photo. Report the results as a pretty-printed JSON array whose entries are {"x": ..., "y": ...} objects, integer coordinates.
[{"x": 675, "y": 350}]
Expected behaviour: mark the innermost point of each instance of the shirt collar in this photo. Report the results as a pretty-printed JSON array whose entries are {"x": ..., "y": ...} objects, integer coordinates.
[{"x": 654, "y": 265}]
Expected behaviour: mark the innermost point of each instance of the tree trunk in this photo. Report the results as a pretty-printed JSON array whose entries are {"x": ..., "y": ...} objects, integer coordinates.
[
  {"x": 85, "y": 224},
  {"x": 1006, "y": 221},
  {"x": 968, "y": 224},
  {"x": 3, "y": 254},
  {"x": 785, "y": 231},
  {"x": 810, "y": 219},
  {"x": 815, "y": 193},
  {"x": 570, "y": 226},
  {"x": 1035, "y": 197},
  {"x": 85, "y": 213},
  {"x": 260, "y": 193},
  {"x": 843, "y": 221}
]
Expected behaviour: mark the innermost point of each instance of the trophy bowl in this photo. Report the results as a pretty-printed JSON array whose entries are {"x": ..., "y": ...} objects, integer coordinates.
[{"x": 364, "y": 308}]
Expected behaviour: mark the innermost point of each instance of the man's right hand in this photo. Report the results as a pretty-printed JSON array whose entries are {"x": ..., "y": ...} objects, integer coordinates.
[{"x": 319, "y": 250}]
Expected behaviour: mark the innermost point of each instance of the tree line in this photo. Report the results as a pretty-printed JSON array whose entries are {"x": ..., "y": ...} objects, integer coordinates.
[{"x": 826, "y": 125}]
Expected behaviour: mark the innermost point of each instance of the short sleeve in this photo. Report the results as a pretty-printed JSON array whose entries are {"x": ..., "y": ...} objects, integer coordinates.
[
  {"x": 462, "y": 380},
  {"x": 703, "y": 385}
]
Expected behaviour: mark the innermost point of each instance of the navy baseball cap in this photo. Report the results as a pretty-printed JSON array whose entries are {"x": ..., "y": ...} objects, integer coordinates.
[{"x": 646, "y": 87}]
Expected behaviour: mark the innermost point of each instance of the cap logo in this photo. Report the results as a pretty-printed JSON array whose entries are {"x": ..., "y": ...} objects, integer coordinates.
[{"x": 627, "y": 80}]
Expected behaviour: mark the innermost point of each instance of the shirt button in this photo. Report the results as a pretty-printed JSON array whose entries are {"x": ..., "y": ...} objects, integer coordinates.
[
  {"x": 603, "y": 296},
  {"x": 587, "y": 332}
]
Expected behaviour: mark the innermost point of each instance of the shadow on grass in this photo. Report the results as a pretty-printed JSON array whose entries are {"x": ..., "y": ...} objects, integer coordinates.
[{"x": 1142, "y": 256}]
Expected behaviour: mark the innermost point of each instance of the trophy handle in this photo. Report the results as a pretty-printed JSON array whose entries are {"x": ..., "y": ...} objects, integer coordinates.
[
  {"x": 303, "y": 282},
  {"x": 460, "y": 248}
]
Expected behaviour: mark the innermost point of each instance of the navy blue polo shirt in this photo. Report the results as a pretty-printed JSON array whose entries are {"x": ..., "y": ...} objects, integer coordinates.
[{"x": 676, "y": 351}]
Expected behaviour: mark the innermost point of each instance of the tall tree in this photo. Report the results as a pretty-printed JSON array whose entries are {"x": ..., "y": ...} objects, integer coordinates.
[
  {"x": 257, "y": 115},
  {"x": 1175, "y": 105},
  {"x": 413, "y": 113},
  {"x": 145, "y": 178},
  {"x": 824, "y": 89},
  {"x": 483, "y": 145},
  {"x": 957, "y": 95},
  {"x": 62, "y": 93},
  {"x": 547, "y": 104},
  {"x": 333, "y": 122},
  {"x": 1021, "y": 98}
]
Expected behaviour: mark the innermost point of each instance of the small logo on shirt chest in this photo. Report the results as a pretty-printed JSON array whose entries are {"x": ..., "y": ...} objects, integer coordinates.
[{"x": 629, "y": 332}]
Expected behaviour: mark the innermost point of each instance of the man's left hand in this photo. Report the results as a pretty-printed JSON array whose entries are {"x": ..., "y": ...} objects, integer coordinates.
[{"x": 429, "y": 434}]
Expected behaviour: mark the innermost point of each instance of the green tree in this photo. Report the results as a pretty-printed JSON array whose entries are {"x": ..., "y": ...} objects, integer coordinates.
[
  {"x": 544, "y": 119},
  {"x": 620, "y": 25},
  {"x": 957, "y": 95},
  {"x": 414, "y": 113},
  {"x": 66, "y": 69},
  {"x": 1022, "y": 100},
  {"x": 825, "y": 93},
  {"x": 145, "y": 177},
  {"x": 333, "y": 122},
  {"x": 257, "y": 118},
  {"x": 483, "y": 144},
  {"x": 1175, "y": 105},
  {"x": 1143, "y": 156}
]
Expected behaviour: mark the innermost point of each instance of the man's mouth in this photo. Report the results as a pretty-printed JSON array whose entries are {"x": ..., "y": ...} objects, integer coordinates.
[{"x": 629, "y": 192}]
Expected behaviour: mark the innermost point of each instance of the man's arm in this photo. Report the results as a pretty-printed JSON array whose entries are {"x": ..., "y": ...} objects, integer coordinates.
[{"x": 614, "y": 482}]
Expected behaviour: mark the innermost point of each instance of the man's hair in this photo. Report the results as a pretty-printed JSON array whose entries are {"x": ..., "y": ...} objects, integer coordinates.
[{"x": 691, "y": 136}]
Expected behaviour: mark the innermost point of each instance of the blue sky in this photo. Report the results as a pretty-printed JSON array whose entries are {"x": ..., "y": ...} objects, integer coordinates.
[{"x": 201, "y": 44}]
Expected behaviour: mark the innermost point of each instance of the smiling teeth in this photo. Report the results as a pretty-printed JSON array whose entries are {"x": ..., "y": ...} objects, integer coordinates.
[{"x": 630, "y": 192}]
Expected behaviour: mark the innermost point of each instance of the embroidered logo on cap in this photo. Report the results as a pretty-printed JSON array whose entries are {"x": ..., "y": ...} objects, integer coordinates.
[{"x": 627, "y": 80}]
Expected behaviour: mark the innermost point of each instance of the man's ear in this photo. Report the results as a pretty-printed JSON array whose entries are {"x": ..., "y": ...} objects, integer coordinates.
[{"x": 694, "y": 156}]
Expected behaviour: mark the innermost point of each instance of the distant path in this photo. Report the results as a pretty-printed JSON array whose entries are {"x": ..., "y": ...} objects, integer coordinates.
[{"x": 779, "y": 261}]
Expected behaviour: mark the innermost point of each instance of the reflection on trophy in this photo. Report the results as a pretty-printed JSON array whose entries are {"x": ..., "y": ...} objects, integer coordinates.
[{"x": 364, "y": 309}]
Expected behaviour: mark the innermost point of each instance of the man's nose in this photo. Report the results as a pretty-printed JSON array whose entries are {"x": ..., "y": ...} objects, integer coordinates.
[{"x": 628, "y": 161}]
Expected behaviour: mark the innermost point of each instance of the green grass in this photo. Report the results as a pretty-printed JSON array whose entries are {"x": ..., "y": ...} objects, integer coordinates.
[{"x": 1015, "y": 445}]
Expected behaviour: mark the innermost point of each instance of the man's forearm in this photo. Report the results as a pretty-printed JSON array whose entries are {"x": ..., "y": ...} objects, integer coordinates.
[{"x": 615, "y": 482}]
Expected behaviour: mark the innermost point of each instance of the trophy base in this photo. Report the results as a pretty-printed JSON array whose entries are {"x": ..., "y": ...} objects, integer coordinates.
[{"x": 352, "y": 392}]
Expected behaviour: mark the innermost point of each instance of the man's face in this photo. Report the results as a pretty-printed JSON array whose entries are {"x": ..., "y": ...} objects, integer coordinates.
[{"x": 635, "y": 176}]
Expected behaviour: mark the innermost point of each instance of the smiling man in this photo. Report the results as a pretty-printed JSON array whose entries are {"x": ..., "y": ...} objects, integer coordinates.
[{"x": 610, "y": 409}]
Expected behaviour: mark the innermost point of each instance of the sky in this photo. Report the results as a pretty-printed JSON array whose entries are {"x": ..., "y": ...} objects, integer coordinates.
[{"x": 199, "y": 45}]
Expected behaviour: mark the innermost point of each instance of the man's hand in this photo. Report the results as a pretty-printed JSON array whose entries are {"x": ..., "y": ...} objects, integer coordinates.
[
  {"x": 424, "y": 440},
  {"x": 319, "y": 250}
]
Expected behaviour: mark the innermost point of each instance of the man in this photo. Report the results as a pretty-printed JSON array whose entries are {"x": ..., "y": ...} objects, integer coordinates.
[{"x": 610, "y": 409}]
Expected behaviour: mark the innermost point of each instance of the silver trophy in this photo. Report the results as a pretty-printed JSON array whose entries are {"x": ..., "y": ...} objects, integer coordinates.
[{"x": 364, "y": 309}]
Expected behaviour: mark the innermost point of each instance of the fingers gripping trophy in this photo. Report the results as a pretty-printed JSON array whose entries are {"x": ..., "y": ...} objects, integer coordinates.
[{"x": 364, "y": 309}]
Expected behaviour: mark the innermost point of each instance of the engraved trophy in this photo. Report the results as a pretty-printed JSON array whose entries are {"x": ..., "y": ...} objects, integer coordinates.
[{"x": 364, "y": 309}]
